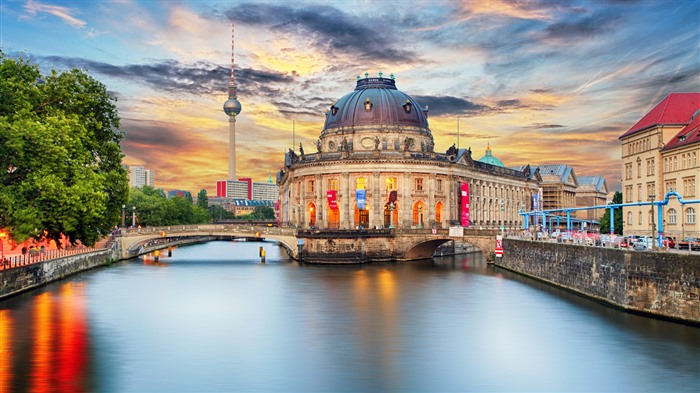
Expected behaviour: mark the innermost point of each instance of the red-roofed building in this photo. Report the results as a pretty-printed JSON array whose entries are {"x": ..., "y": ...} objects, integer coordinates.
[{"x": 660, "y": 154}]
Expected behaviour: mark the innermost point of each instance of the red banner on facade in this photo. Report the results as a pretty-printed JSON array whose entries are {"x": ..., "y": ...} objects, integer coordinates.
[
  {"x": 332, "y": 199},
  {"x": 464, "y": 189}
]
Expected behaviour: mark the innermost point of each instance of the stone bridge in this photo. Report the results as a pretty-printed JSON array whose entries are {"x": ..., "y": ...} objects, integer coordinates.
[{"x": 318, "y": 246}]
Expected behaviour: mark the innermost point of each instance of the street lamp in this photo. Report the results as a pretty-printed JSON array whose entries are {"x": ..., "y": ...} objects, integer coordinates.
[
  {"x": 123, "y": 216},
  {"x": 3, "y": 235},
  {"x": 501, "y": 219},
  {"x": 458, "y": 117},
  {"x": 133, "y": 216},
  {"x": 420, "y": 216},
  {"x": 652, "y": 196},
  {"x": 391, "y": 214}
]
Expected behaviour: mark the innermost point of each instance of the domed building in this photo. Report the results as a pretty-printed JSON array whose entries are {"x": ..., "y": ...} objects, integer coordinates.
[
  {"x": 489, "y": 158},
  {"x": 374, "y": 165}
]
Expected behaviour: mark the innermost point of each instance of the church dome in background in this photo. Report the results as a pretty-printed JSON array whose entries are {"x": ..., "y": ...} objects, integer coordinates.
[{"x": 489, "y": 158}]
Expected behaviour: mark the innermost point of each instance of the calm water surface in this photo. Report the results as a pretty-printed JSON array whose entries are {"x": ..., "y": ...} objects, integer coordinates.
[{"x": 212, "y": 318}]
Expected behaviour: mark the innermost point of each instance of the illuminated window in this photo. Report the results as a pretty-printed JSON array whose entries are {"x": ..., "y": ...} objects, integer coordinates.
[
  {"x": 361, "y": 183},
  {"x": 390, "y": 183},
  {"x": 333, "y": 184}
]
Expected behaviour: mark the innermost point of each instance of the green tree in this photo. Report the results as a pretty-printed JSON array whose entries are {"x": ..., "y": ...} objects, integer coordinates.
[
  {"x": 605, "y": 220},
  {"x": 153, "y": 208},
  {"x": 203, "y": 199},
  {"x": 60, "y": 144}
]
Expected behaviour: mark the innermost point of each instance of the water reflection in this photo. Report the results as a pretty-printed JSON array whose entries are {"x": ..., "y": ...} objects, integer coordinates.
[
  {"x": 50, "y": 356},
  {"x": 213, "y": 318}
]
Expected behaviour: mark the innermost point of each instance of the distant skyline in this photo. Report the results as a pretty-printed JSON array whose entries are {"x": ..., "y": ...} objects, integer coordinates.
[{"x": 542, "y": 82}]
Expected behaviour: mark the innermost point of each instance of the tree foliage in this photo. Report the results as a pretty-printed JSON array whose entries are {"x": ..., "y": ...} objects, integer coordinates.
[
  {"x": 59, "y": 153},
  {"x": 605, "y": 220},
  {"x": 153, "y": 208},
  {"x": 260, "y": 213},
  {"x": 203, "y": 199}
]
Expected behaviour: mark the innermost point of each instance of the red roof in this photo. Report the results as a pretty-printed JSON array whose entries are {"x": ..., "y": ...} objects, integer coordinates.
[
  {"x": 688, "y": 135},
  {"x": 676, "y": 108}
]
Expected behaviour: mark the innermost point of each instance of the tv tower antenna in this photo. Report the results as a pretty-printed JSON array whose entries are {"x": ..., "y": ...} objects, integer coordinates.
[{"x": 232, "y": 107}]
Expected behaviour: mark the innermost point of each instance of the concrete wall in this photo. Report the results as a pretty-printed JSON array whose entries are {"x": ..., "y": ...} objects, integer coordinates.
[
  {"x": 23, "y": 278},
  {"x": 659, "y": 283}
]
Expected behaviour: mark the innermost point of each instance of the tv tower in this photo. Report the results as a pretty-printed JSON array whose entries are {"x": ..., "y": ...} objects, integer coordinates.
[{"x": 232, "y": 107}]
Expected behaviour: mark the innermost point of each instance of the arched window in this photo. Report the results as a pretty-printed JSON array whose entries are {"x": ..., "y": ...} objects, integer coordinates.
[
  {"x": 690, "y": 215},
  {"x": 671, "y": 216},
  {"x": 629, "y": 218},
  {"x": 438, "y": 214},
  {"x": 640, "y": 218},
  {"x": 418, "y": 213}
]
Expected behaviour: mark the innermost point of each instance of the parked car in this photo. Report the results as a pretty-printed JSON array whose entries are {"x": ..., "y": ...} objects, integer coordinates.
[
  {"x": 641, "y": 244},
  {"x": 689, "y": 243},
  {"x": 668, "y": 242}
]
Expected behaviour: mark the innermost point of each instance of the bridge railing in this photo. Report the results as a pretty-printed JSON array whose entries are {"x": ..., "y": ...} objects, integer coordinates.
[
  {"x": 238, "y": 227},
  {"x": 344, "y": 233}
]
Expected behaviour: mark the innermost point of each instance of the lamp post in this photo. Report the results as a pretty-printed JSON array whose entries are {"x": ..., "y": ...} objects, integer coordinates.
[
  {"x": 501, "y": 218},
  {"x": 458, "y": 117},
  {"x": 3, "y": 235},
  {"x": 391, "y": 215},
  {"x": 652, "y": 196},
  {"x": 123, "y": 216},
  {"x": 133, "y": 216},
  {"x": 420, "y": 216}
]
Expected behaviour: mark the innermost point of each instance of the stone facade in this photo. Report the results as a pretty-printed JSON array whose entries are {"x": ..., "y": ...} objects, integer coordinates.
[
  {"x": 658, "y": 283},
  {"x": 376, "y": 142}
]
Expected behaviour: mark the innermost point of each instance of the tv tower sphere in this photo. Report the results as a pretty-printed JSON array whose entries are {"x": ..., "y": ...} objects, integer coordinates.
[{"x": 232, "y": 107}]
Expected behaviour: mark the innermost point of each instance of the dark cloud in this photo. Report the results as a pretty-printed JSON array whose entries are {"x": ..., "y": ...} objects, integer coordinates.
[
  {"x": 538, "y": 126},
  {"x": 200, "y": 78},
  {"x": 330, "y": 30},
  {"x": 589, "y": 26},
  {"x": 446, "y": 105},
  {"x": 509, "y": 104}
]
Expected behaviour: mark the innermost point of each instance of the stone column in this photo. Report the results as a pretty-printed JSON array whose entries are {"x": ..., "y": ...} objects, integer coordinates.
[
  {"x": 405, "y": 202},
  {"x": 345, "y": 222},
  {"x": 430, "y": 213},
  {"x": 376, "y": 215},
  {"x": 320, "y": 209},
  {"x": 300, "y": 205}
]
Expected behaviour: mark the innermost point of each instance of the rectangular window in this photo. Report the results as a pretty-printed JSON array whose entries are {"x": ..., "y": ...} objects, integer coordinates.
[
  {"x": 639, "y": 169},
  {"x": 390, "y": 183},
  {"x": 333, "y": 184},
  {"x": 419, "y": 184},
  {"x": 628, "y": 194},
  {"x": 639, "y": 193},
  {"x": 439, "y": 185},
  {"x": 310, "y": 185},
  {"x": 670, "y": 185}
]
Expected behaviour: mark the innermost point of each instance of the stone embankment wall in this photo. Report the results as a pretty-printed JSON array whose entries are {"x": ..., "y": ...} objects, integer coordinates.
[
  {"x": 662, "y": 284},
  {"x": 23, "y": 278}
]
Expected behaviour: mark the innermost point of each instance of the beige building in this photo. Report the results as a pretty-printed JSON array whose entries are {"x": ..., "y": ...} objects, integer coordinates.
[
  {"x": 374, "y": 165},
  {"x": 659, "y": 154},
  {"x": 591, "y": 191}
]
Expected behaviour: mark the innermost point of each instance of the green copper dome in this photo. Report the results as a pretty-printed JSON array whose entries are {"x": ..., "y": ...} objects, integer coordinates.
[{"x": 490, "y": 159}]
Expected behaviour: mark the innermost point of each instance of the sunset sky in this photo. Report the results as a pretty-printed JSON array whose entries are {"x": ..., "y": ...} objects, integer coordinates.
[{"x": 540, "y": 81}]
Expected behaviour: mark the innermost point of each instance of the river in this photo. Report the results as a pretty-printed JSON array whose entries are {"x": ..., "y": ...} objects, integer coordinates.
[{"x": 212, "y": 318}]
